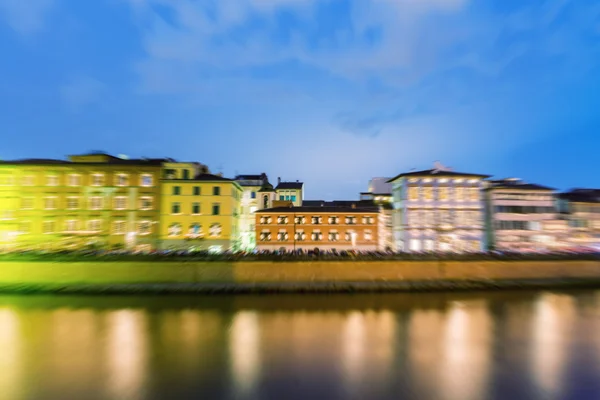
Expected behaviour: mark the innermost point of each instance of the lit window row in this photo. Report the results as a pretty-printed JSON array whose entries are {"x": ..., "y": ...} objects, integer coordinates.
[
  {"x": 145, "y": 203},
  {"x": 197, "y": 191},
  {"x": 96, "y": 179},
  {"x": 443, "y": 193},
  {"x": 93, "y": 226},
  {"x": 195, "y": 230},
  {"x": 316, "y": 220},
  {"x": 315, "y": 236},
  {"x": 195, "y": 209}
]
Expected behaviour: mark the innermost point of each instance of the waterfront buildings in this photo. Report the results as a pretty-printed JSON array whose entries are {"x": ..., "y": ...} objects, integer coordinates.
[
  {"x": 200, "y": 213},
  {"x": 522, "y": 217},
  {"x": 89, "y": 200},
  {"x": 251, "y": 201},
  {"x": 322, "y": 227},
  {"x": 581, "y": 208},
  {"x": 438, "y": 210}
]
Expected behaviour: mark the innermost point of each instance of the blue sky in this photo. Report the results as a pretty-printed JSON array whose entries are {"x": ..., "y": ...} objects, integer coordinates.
[{"x": 331, "y": 92}]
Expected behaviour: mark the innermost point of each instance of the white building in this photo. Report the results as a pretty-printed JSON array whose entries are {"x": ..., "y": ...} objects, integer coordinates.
[
  {"x": 251, "y": 201},
  {"x": 438, "y": 210}
]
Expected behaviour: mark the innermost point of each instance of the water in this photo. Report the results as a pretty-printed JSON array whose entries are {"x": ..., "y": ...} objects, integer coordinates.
[{"x": 525, "y": 345}]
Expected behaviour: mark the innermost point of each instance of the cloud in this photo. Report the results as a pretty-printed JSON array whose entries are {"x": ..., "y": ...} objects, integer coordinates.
[
  {"x": 26, "y": 17},
  {"x": 81, "y": 92}
]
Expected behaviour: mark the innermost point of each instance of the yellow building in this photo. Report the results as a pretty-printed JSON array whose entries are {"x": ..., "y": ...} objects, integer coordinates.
[{"x": 199, "y": 212}]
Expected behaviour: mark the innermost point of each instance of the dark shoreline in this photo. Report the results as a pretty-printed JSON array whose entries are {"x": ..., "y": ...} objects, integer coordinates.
[{"x": 303, "y": 287}]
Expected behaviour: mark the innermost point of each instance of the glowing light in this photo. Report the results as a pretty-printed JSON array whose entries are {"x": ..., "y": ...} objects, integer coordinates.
[
  {"x": 245, "y": 353},
  {"x": 10, "y": 356}
]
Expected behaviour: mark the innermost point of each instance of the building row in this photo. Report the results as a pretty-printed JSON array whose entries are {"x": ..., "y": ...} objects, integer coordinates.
[{"x": 102, "y": 201}]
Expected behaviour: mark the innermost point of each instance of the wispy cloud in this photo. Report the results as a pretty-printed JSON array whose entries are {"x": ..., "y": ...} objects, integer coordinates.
[{"x": 26, "y": 16}]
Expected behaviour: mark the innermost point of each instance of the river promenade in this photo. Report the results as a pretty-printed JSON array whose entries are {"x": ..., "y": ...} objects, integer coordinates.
[{"x": 143, "y": 274}]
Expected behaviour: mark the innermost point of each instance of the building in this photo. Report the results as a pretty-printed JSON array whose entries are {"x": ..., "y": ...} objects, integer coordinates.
[
  {"x": 290, "y": 191},
  {"x": 90, "y": 200},
  {"x": 251, "y": 199},
  {"x": 581, "y": 208},
  {"x": 438, "y": 210},
  {"x": 200, "y": 212},
  {"x": 522, "y": 217},
  {"x": 325, "y": 228},
  {"x": 380, "y": 192}
]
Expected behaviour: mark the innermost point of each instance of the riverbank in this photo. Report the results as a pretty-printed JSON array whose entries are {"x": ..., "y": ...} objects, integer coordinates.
[{"x": 303, "y": 277}]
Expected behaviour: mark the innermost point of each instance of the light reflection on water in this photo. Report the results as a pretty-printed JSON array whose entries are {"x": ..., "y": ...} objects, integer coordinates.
[{"x": 436, "y": 346}]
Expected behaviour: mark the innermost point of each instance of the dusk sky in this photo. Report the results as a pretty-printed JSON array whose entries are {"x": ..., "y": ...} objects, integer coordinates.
[{"x": 330, "y": 92}]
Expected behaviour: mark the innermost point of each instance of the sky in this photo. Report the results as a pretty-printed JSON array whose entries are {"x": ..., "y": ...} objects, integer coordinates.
[{"x": 329, "y": 92}]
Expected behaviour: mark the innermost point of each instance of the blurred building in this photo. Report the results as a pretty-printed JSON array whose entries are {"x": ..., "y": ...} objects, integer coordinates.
[
  {"x": 323, "y": 227},
  {"x": 522, "y": 217},
  {"x": 581, "y": 208},
  {"x": 380, "y": 193},
  {"x": 438, "y": 210},
  {"x": 290, "y": 191},
  {"x": 251, "y": 201}
]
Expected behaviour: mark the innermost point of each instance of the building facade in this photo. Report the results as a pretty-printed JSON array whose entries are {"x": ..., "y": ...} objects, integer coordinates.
[
  {"x": 438, "y": 210},
  {"x": 290, "y": 191},
  {"x": 88, "y": 201},
  {"x": 200, "y": 213},
  {"x": 522, "y": 217},
  {"x": 251, "y": 199},
  {"x": 323, "y": 228},
  {"x": 581, "y": 208}
]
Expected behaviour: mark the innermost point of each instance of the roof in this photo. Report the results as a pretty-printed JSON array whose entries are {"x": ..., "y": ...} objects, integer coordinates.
[
  {"x": 517, "y": 184},
  {"x": 304, "y": 209},
  {"x": 250, "y": 177},
  {"x": 581, "y": 196},
  {"x": 211, "y": 178},
  {"x": 289, "y": 185},
  {"x": 436, "y": 172},
  {"x": 340, "y": 203},
  {"x": 111, "y": 161}
]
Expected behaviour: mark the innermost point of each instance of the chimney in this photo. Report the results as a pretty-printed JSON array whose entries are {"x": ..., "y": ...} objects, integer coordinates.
[
  {"x": 278, "y": 180},
  {"x": 353, "y": 205}
]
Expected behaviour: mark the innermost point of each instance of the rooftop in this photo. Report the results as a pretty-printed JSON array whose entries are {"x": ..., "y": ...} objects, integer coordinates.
[
  {"x": 438, "y": 172},
  {"x": 325, "y": 209},
  {"x": 514, "y": 183},
  {"x": 289, "y": 185},
  {"x": 581, "y": 195}
]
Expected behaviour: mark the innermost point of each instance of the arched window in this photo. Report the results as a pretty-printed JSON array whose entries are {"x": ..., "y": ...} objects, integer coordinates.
[
  {"x": 195, "y": 230},
  {"x": 215, "y": 230},
  {"x": 265, "y": 201},
  {"x": 175, "y": 229}
]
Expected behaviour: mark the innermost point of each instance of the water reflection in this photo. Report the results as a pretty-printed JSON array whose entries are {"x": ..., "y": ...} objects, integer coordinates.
[{"x": 412, "y": 347}]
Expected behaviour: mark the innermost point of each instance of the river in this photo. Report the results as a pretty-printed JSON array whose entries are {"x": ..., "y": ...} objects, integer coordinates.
[{"x": 460, "y": 346}]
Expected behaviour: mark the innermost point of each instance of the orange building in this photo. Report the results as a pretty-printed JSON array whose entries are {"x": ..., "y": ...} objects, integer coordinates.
[{"x": 325, "y": 228}]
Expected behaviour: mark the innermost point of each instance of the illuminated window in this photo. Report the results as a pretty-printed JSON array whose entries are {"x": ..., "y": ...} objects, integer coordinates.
[
  {"x": 120, "y": 203},
  {"x": 348, "y": 235},
  {"x": 195, "y": 230},
  {"x": 282, "y": 236},
  {"x": 50, "y": 203},
  {"x": 459, "y": 193},
  {"x": 146, "y": 180},
  {"x": 474, "y": 194},
  {"x": 413, "y": 193},
  {"x": 265, "y": 236},
  {"x": 443, "y": 193},
  {"x": 175, "y": 229},
  {"x": 176, "y": 208},
  {"x": 51, "y": 180},
  {"x": 118, "y": 228},
  {"x": 146, "y": 203},
  {"x": 334, "y": 220},
  {"x": 368, "y": 220},
  {"x": 215, "y": 230},
  {"x": 97, "y": 179},
  {"x": 428, "y": 193},
  {"x": 282, "y": 220},
  {"x": 71, "y": 225},
  {"x": 368, "y": 235},
  {"x": 316, "y": 220},
  {"x": 27, "y": 203},
  {"x": 121, "y": 180},
  {"x": 317, "y": 236},
  {"x": 74, "y": 180},
  {"x": 72, "y": 203},
  {"x": 28, "y": 180},
  {"x": 334, "y": 236},
  {"x": 48, "y": 227},
  {"x": 300, "y": 220},
  {"x": 94, "y": 225},
  {"x": 300, "y": 236},
  {"x": 96, "y": 203},
  {"x": 350, "y": 220},
  {"x": 144, "y": 227}
]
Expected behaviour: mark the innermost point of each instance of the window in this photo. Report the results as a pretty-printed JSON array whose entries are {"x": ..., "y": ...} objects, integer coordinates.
[
  {"x": 459, "y": 193},
  {"x": 216, "y": 209},
  {"x": 25, "y": 227},
  {"x": 265, "y": 201},
  {"x": 334, "y": 220},
  {"x": 120, "y": 203},
  {"x": 195, "y": 230},
  {"x": 443, "y": 193},
  {"x": 300, "y": 220},
  {"x": 118, "y": 227},
  {"x": 50, "y": 203},
  {"x": 176, "y": 208},
  {"x": 215, "y": 230},
  {"x": 196, "y": 191},
  {"x": 281, "y": 198},
  {"x": 266, "y": 220},
  {"x": 95, "y": 203},
  {"x": 368, "y": 220},
  {"x": 28, "y": 180},
  {"x": 316, "y": 220},
  {"x": 348, "y": 235},
  {"x": 146, "y": 180},
  {"x": 174, "y": 229},
  {"x": 300, "y": 236},
  {"x": 72, "y": 203},
  {"x": 52, "y": 180},
  {"x": 282, "y": 220},
  {"x": 74, "y": 180},
  {"x": 195, "y": 208},
  {"x": 216, "y": 191},
  {"x": 368, "y": 235},
  {"x": 282, "y": 236},
  {"x": 71, "y": 225},
  {"x": 48, "y": 227},
  {"x": 334, "y": 236},
  {"x": 253, "y": 195},
  {"x": 293, "y": 198},
  {"x": 186, "y": 174},
  {"x": 27, "y": 203},
  {"x": 144, "y": 227},
  {"x": 97, "y": 179},
  {"x": 146, "y": 203},
  {"x": 473, "y": 194},
  {"x": 428, "y": 193},
  {"x": 350, "y": 220},
  {"x": 265, "y": 236},
  {"x": 317, "y": 236},
  {"x": 176, "y": 190},
  {"x": 121, "y": 180},
  {"x": 413, "y": 193},
  {"x": 94, "y": 225}
]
